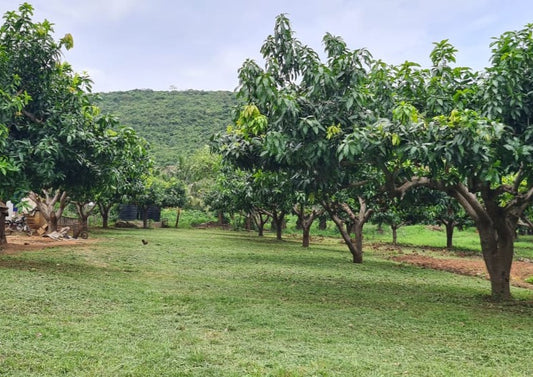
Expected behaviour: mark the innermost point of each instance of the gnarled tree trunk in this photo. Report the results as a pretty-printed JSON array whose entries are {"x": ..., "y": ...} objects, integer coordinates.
[
  {"x": 84, "y": 210},
  {"x": 359, "y": 220},
  {"x": 355, "y": 249},
  {"x": 496, "y": 226},
  {"x": 260, "y": 219},
  {"x": 47, "y": 206},
  {"x": 305, "y": 221}
]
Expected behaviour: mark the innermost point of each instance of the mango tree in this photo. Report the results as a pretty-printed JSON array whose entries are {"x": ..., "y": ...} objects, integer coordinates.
[
  {"x": 119, "y": 160},
  {"x": 123, "y": 163},
  {"x": 298, "y": 110},
  {"x": 160, "y": 191},
  {"x": 53, "y": 138},
  {"x": 231, "y": 195},
  {"x": 198, "y": 171},
  {"x": 470, "y": 137}
]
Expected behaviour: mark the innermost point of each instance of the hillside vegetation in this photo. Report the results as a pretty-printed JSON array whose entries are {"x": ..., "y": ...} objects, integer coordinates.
[{"x": 174, "y": 122}]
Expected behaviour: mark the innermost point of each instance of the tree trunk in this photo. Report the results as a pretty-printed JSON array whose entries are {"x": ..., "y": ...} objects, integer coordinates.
[
  {"x": 306, "y": 221},
  {"x": 248, "y": 222},
  {"x": 394, "y": 234},
  {"x": 260, "y": 220},
  {"x": 84, "y": 210},
  {"x": 47, "y": 208},
  {"x": 278, "y": 219},
  {"x": 145, "y": 216},
  {"x": 358, "y": 220},
  {"x": 3, "y": 214},
  {"x": 178, "y": 214},
  {"x": 105, "y": 219},
  {"x": 260, "y": 229},
  {"x": 306, "y": 230},
  {"x": 322, "y": 225},
  {"x": 357, "y": 252},
  {"x": 358, "y": 233},
  {"x": 306, "y": 237},
  {"x": 279, "y": 231},
  {"x": 53, "y": 222},
  {"x": 450, "y": 225},
  {"x": 298, "y": 223},
  {"x": 496, "y": 227},
  {"x": 104, "y": 212},
  {"x": 355, "y": 249},
  {"x": 498, "y": 250}
]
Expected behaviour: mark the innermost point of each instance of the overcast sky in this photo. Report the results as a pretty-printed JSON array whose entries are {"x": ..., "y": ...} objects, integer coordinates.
[{"x": 200, "y": 44}]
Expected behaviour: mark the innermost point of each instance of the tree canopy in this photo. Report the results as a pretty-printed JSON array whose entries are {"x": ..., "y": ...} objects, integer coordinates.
[
  {"x": 357, "y": 122},
  {"x": 52, "y": 136}
]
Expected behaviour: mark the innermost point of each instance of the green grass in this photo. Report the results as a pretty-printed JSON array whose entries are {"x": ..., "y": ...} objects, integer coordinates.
[{"x": 215, "y": 303}]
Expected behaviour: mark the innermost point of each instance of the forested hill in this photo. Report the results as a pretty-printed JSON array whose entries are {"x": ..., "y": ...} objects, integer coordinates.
[{"x": 175, "y": 122}]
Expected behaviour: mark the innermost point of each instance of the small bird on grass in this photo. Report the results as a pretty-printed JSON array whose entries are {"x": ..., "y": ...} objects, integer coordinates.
[{"x": 144, "y": 242}]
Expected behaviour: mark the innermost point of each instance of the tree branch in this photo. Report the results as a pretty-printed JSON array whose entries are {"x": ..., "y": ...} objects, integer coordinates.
[
  {"x": 364, "y": 214},
  {"x": 519, "y": 178},
  {"x": 32, "y": 117},
  {"x": 469, "y": 202},
  {"x": 414, "y": 182}
]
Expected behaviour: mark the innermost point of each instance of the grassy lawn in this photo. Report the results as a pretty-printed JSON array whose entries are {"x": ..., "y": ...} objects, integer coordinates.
[{"x": 215, "y": 303}]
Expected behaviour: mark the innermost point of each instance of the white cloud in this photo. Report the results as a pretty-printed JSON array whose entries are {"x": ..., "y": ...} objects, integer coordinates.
[
  {"x": 88, "y": 11},
  {"x": 201, "y": 43}
]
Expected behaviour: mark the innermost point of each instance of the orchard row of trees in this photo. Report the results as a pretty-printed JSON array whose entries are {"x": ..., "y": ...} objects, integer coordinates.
[
  {"x": 55, "y": 144},
  {"x": 351, "y": 136},
  {"x": 352, "y": 133}
]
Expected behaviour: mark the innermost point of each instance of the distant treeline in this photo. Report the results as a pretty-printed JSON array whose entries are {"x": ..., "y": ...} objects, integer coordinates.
[{"x": 173, "y": 122}]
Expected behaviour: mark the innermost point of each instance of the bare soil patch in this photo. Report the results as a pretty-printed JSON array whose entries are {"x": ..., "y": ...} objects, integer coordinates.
[
  {"x": 20, "y": 242},
  {"x": 469, "y": 266}
]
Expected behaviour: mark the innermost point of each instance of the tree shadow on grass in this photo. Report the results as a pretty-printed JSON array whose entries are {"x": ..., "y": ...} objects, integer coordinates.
[{"x": 382, "y": 282}]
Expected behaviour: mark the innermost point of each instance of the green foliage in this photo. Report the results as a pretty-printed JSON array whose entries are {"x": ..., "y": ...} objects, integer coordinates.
[
  {"x": 175, "y": 123},
  {"x": 161, "y": 191},
  {"x": 189, "y": 218},
  {"x": 508, "y": 91},
  {"x": 198, "y": 172},
  {"x": 395, "y": 128},
  {"x": 299, "y": 109},
  {"x": 56, "y": 136},
  {"x": 52, "y": 136}
]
